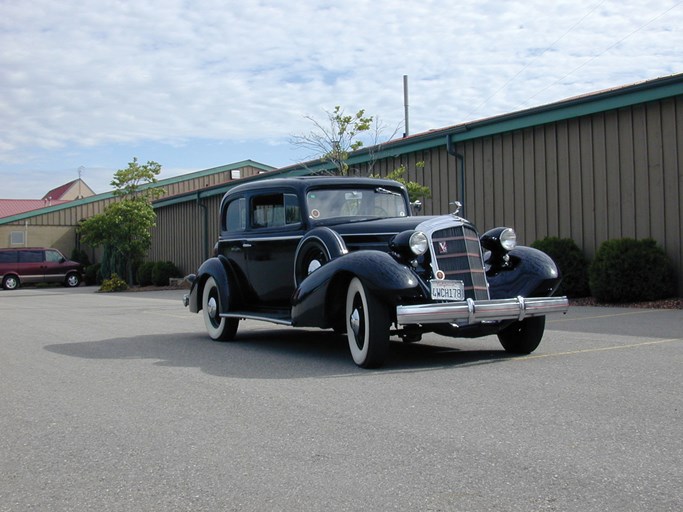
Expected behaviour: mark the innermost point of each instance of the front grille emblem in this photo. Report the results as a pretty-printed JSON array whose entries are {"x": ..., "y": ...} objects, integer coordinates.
[{"x": 443, "y": 247}]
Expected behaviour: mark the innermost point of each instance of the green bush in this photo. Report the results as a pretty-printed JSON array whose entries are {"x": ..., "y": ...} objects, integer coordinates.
[
  {"x": 144, "y": 273},
  {"x": 80, "y": 256},
  {"x": 163, "y": 271},
  {"x": 92, "y": 274},
  {"x": 114, "y": 284},
  {"x": 627, "y": 270},
  {"x": 571, "y": 262}
]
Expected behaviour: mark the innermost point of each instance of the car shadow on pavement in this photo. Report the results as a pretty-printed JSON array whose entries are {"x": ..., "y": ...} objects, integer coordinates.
[{"x": 273, "y": 354}]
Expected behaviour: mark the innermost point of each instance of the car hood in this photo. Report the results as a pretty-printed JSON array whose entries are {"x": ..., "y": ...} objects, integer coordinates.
[{"x": 377, "y": 226}]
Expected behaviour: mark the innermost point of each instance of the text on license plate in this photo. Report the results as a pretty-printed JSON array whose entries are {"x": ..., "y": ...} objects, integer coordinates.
[{"x": 447, "y": 290}]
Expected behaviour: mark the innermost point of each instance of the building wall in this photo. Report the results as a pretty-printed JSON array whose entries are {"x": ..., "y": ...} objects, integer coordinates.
[
  {"x": 180, "y": 235},
  {"x": 59, "y": 237},
  {"x": 593, "y": 178}
]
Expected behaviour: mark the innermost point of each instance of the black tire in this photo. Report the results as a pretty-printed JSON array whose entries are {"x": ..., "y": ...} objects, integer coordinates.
[
  {"x": 523, "y": 337},
  {"x": 367, "y": 326},
  {"x": 219, "y": 328},
  {"x": 10, "y": 282},
  {"x": 312, "y": 255},
  {"x": 72, "y": 280}
]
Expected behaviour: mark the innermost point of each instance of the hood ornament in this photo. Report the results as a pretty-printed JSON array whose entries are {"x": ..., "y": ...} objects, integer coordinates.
[{"x": 457, "y": 205}]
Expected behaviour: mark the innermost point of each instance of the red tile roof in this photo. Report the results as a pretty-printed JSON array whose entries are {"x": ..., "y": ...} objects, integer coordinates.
[
  {"x": 57, "y": 193},
  {"x": 9, "y": 207}
]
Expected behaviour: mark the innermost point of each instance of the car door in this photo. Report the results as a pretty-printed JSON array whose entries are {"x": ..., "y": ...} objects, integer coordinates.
[
  {"x": 275, "y": 228},
  {"x": 31, "y": 265},
  {"x": 54, "y": 267}
]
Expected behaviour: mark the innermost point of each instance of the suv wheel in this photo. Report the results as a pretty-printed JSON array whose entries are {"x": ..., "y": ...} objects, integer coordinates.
[
  {"x": 72, "y": 280},
  {"x": 10, "y": 283}
]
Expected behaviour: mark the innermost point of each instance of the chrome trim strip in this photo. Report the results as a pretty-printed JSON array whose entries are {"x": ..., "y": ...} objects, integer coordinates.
[
  {"x": 471, "y": 311},
  {"x": 250, "y": 316}
]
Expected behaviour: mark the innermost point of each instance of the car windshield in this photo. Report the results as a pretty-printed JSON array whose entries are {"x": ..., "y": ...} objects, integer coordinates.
[{"x": 376, "y": 202}]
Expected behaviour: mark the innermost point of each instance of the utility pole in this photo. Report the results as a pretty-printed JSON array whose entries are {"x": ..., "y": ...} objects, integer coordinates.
[{"x": 405, "y": 105}]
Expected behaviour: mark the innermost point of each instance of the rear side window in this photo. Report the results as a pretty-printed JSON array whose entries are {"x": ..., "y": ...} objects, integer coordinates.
[
  {"x": 30, "y": 256},
  {"x": 236, "y": 216},
  {"x": 8, "y": 256}
]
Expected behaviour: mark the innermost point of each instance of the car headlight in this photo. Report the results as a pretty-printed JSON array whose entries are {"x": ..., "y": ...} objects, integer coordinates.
[
  {"x": 418, "y": 243},
  {"x": 499, "y": 240},
  {"x": 508, "y": 239},
  {"x": 409, "y": 244}
]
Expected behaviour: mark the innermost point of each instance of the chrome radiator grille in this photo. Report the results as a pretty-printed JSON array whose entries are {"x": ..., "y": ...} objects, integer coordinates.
[{"x": 456, "y": 251}]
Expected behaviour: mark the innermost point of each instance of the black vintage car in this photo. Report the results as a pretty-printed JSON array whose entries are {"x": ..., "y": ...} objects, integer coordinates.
[{"x": 347, "y": 254}]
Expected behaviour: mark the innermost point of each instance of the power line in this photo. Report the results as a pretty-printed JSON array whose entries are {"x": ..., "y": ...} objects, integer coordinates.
[
  {"x": 476, "y": 109},
  {"x": 598, "y": 55}
]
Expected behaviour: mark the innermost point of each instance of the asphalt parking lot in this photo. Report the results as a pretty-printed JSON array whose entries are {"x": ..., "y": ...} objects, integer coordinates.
[{"x": 117, "y": 402}]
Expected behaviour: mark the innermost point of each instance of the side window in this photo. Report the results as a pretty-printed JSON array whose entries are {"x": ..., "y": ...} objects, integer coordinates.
[
  {"x": 292, "y": 209},
  {"x": 236, "y": 216},
  {"x": 268, "y": 211},
  {"x": 8, "y": 256},
  {"x": 53, "y": 256},
  {"x": 30, "y": 256}
]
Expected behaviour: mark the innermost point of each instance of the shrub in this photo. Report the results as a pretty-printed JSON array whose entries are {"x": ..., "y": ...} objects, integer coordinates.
[
  {"x": 80, "y": 256},
  {"x": 92, "y": 274},
  {"x": 571, "y": 262},
  {"x": 144, "y": 273},
  {"x": 163, "y": 271},
  {"x": 627, "y": 270},
  {"x": 114, "y": 284}
]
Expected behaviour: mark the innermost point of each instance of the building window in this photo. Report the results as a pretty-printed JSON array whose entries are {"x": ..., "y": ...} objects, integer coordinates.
[
  {"x": 17, "y": 238},
  {"x": 236, "y": 174}
]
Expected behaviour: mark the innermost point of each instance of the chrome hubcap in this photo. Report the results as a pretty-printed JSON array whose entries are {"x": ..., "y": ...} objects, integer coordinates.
[
  {"x": 212, "y": 307},
  {"x": 355, "y": 322},
  {"x": 313, "y": 266}
]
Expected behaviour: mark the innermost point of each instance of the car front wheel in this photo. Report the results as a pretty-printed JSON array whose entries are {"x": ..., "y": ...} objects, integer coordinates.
[
  {"x": 367, "y": 326},
  {"x": 72, "y": 280},
  {"x": 523, "y": 337},
  {"x": 219, "y": 328}
]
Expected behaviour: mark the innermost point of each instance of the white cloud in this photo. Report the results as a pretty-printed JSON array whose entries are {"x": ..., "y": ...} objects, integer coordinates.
[{"x": 80, "y": 76}]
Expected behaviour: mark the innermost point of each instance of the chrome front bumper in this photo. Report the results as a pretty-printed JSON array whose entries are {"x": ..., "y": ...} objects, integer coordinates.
[{"x": 473, "y": 311}]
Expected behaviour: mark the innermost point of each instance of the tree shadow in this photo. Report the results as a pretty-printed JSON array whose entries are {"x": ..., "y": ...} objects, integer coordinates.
[{"x": 273, "y": 354}]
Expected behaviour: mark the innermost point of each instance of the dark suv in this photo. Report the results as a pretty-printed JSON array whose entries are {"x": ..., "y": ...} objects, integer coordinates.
[
  {"x": 37, "y": 265},
  {"x": 346, "y": 254}
]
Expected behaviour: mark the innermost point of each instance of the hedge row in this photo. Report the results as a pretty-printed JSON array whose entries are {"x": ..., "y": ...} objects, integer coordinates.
[
  {"x": 157, "y": 273},
  {"x": 624, "y": 270}
]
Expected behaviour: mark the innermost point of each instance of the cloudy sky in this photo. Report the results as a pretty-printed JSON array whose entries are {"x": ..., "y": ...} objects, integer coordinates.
[{"x": 91, "y": 84}]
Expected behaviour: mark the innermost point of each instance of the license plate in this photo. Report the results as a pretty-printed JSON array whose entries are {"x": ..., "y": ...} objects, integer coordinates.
[{"x": 447, "y": 290}]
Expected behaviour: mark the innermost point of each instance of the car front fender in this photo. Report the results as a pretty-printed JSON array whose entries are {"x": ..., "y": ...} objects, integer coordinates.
[
  {"x": 316, "y": 300},
  {"x": 531, "y": 273}
]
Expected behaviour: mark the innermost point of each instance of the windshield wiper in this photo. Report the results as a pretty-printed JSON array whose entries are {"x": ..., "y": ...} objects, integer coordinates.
[{"x": 382, "y": 190}]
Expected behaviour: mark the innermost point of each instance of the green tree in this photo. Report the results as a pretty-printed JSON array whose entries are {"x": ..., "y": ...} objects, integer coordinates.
[
  {"x": 415, "y": 190},
  {"x": 124, "y": 227},
  {"x": 333, "y": 140}
]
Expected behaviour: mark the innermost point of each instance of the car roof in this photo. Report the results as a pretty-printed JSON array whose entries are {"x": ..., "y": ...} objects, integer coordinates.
[{"x": 306, "y": 182}]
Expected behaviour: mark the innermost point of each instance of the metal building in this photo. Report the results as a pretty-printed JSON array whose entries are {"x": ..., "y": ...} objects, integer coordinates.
[{"x": 597, "y": 167}]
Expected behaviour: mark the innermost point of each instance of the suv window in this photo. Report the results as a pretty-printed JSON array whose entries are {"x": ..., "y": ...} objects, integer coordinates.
[
  {"x": 8, "y": 256},
  {"x": 53, "y": 256},
  {"x": 30, "y": 256}
]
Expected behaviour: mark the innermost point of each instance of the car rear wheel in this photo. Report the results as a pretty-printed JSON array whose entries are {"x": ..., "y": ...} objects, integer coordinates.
[
  {"x": 219, "y": 328},
  {"x": 367, "y": 326},
  {"x": 523, "y": 337},
  {"x": 10, "y": 283},
  {"x": 72, "y": 280}
]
